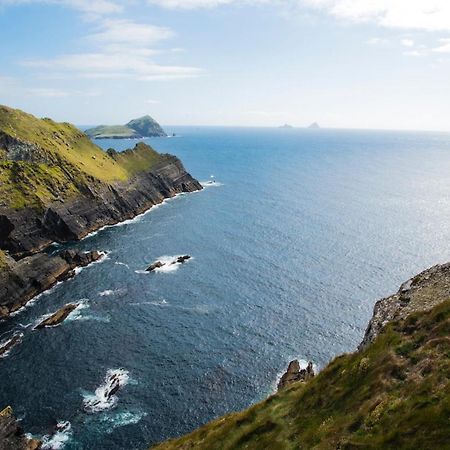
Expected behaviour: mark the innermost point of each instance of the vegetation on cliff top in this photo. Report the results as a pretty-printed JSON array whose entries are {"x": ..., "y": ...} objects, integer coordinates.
[
  {"x": 50, "y": 161},
  {"x": 394, "y": 395},
  {"x": 145, "y": 126}
]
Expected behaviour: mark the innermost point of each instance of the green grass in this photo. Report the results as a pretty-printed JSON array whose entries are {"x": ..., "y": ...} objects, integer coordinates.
[
  {"x": 394, "y": 395},
  {"x": 111, "y": 131},
  {"x": 71, "y": 161}
]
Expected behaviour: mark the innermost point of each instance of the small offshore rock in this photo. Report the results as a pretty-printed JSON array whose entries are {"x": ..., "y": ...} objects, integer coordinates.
[
  {"x": 7, "y": 345},
  {"x": 58, "y": 317},
  {"x": 155, "y": 265},
  {"x": 182, "y": 259},
  {"x": 294, "y": 374}
]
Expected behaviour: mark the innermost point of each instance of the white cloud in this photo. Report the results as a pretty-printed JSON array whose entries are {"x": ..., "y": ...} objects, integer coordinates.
[
  {"x": 47, "y": 92},
  {"x": 112, "y": 65},
  {"x": 121, "y": 31},
  {"x": 412, "y": 53},
  {"x": 123, "y": 49},
  {"x": 376, "y": 41},
  {"x": 407, "y": 42},
  {"x": 431, "y": 15},
  {"x": 97, "y": 7},
  {"x": 152, "y": 102},
  {"x": 444, "y": 46}
]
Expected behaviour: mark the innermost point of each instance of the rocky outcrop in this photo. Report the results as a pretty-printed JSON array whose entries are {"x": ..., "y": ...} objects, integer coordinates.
[
  {"x": 7, "y": 345},
  {"x": 58, "y": 317},
  {"x": 26, "y": 231},
  {"x": 295, "y": 374},
  {"x": 420, "y": 293},
  {"x": 12, "y": 437},
  {"x": 32, "y": 275},
  {"x": 159, "y": 264}
]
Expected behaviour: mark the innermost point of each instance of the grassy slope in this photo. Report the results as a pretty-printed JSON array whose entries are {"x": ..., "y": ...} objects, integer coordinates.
[
  {"x": 394, "y": 395},
  {"x": 105, "y": 131},
  {"x": 74, "y": 160}
]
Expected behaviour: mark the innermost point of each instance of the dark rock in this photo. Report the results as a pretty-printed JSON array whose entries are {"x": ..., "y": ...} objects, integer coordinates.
[
  {"x": 294, "y": 374},
  {"x": 35, "y": 274},
  {"x": 7, "y": 345},
  {"x": 182, "y": 259},
  {"x": 12, "y": 437},
  {"x": 58, "y": 317},
  {"x": 155, "y": 265}
]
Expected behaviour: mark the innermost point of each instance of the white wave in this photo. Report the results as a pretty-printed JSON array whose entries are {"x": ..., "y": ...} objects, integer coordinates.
[
  {"x": 59, "y": 439},
  {"x": 8, "y": 341},
  {"x": 154, "y": 303},
  {"x": 209, "y": 183},
  {"x": 104, "y": 396},
  {"x": 118, "y": 263},
  {"x": 122, "y": 419},
  {"x": 76, "y": 314},
  {"x": 170, "y": 263},
  {"x": 110, "y": 292},
  {"x": 138, "y": 217}
]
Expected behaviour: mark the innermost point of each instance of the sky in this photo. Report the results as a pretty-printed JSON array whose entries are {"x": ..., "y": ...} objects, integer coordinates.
[{"x": 344, "y": 63}]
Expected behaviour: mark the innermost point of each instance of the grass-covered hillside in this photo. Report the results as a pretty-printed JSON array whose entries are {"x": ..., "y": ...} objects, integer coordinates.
[
  {"x": 145, "y": 126},
  {"x": 43, "y": 161},
  {"x": 393, "y": 395}
]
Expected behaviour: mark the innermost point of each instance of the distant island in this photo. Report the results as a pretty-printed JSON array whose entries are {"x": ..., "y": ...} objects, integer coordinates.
[
  {"x": 145, "y": 126},
  {"x": 314, "y": 126},
  {"x": 286, "y": 125}
]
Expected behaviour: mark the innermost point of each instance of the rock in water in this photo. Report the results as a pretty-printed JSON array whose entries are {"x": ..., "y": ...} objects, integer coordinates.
[
  {"x": 182, "y": 259},
  {"x": 155, "y": 265},
  {"x": 58, "y": 317},
  {"x": 294, "y": 373},
  {"x": 6, "y": 346}
]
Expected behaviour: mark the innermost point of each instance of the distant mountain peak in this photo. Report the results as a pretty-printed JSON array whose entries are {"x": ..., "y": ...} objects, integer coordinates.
[{"x": 314, "y": 126}]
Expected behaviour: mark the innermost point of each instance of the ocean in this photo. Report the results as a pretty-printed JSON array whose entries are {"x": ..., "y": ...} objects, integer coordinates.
[{"x": 302, "y": 231}]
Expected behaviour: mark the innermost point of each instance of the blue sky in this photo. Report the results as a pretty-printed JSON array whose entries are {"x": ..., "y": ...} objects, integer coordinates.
[{"x": 343, "y": 63}]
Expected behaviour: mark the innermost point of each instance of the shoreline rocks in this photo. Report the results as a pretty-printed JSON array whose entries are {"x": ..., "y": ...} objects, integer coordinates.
[
  {"x": 58, "y": 317},
  {"x": 295, "y": 373},
  {"x": 12, "y": 436},
  {"x": 9, "y": 344},
  {"x": 25, "y": 279},
  {"x": 420, "y": 293}
]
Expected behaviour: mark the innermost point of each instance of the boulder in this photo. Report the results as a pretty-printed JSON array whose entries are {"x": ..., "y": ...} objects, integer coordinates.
[
  {"x": 58, "y": 317},
  {"x": 155, "y": 265},
  {"x": 295, "y": 373}
]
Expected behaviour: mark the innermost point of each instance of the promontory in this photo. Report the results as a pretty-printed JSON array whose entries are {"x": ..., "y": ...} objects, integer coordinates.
[{"x": 56, "y": 185}]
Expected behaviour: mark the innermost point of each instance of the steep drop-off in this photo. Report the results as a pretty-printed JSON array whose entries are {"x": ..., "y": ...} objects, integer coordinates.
[
  {"x": 393, "y": 393},
  {"x": 57, "y": 186}
]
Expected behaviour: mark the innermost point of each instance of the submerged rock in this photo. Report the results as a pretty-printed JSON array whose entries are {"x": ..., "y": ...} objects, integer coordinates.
[
  {"x": 295, "y": 373},
  {"x": 58, "y": 317}
]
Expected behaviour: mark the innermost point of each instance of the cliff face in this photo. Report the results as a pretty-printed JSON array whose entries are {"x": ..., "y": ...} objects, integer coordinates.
[
  {"x": 24, "y": 231},
  {"x": 12, "y": 437},
  {"x": 57, "y": 186},
  {"x": 391, "y": 394}
]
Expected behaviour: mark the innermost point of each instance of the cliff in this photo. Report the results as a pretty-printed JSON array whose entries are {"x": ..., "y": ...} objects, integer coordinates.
[
  {"x": 12, "y": 437},
  {"x": 393, "y": 393},
  {"x": 57, "y": 186},
  {"x": 145, "y": 126}
]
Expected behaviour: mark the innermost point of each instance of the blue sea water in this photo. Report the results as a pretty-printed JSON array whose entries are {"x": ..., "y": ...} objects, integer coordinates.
[{"x": 302, "y": 232}]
